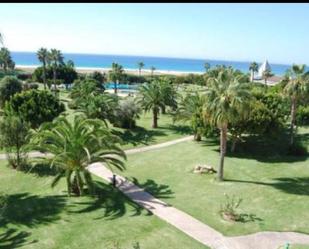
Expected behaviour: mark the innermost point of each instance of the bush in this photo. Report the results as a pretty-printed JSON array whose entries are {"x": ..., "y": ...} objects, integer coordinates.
[
  {"x": 3, "y": 204},
  {"x": 30, "y": 86},
  {"x": 35, "y": 107},
  {"x": 302, "y": 115},
  {"x": 228, "y": 209},
  {"x": 126, "y": 113},
  {"x": 24, "y": 76},
  {"x": 65, "y": 74},
  {"x": 9, "y": 85},
  {"x": 72, "y": 105}
]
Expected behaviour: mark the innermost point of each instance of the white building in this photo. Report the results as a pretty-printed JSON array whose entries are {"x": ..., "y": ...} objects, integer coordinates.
[{"x": 265, "y": 66}]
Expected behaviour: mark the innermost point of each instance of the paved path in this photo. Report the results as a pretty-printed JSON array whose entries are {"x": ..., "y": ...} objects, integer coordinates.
[
  {"x": 186, "y": 223},
  {"x": 193, "y": 227}
]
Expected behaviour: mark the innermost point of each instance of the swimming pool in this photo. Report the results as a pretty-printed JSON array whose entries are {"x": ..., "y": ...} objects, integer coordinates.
[{"x": 110, "y": 85}]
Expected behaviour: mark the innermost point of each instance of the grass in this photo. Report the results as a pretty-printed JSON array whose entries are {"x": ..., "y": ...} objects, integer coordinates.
[
  {"x": 274, "y": 187},
  {"x": 41, "y": 217}
]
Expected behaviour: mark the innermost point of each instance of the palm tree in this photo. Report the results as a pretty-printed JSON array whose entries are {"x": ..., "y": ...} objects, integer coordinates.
[
  {"x": 191, "y": 109},
  {"x": 75, "y": 145},
  {"x": 253, "y": 68},
  {"x": 168, "y": 92},
  {"x": 152, "y": 69},
  {"x": 140, "y": 66},
  {"x": 151, "y": 98},
  {"x": 207, "y": 66},
  {"x": 5, "y": 59},
  {"x": 227, "y": 98},
  {"x": 43, "y": 57},
  {"x": 56, "y": 58},
  {"x": 116, "y": 74},
  {"x": 297, "y": 86},
  {"x": 266, "y": 74}
]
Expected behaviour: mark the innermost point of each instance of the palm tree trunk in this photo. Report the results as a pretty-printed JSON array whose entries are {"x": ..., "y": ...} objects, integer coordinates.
[
  {"x": 197, "y": 137},
  {"x": 55, "y": 78},
  {"x": 115, "y": 86},
  {"x": 155, "y": 117},
  {"x": 44, "y": 75},
  {"x": 293, "y": 114},
  {"x": 223, "y": 135}
]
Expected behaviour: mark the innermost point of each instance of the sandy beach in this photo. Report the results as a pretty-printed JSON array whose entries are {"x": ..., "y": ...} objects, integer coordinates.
[{"x": 86, "y": 70}]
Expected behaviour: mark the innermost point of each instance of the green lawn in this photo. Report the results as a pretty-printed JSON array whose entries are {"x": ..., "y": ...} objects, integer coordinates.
[
  {"x": 274, "y": 187},
  {"x": 41, "y": 217}
]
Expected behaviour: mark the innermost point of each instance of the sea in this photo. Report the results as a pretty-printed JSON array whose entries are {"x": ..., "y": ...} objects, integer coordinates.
[{"x": 130, "y": 62}]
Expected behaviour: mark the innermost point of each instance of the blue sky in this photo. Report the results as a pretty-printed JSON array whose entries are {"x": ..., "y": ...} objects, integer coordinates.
[{"x": 245, "y": 32}]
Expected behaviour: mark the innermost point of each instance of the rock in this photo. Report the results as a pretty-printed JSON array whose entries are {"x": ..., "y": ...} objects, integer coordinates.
[{"x": 204, "y": 169}]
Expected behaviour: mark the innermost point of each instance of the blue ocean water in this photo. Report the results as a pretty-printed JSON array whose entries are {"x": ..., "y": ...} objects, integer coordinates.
[{"x": 130, "y": 62}]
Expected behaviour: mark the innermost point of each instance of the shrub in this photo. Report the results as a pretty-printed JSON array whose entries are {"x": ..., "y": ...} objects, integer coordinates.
[
  {"x": 13, "y": 136},
  {"x": 29, "y": 86},
  {"x": 228, "y": 209},
  {"x": 126, "y": 113},
  {"x": 35, "y": 107},
  {"x": 302, "y": 115},
  {"x": 9, "y": 85}
]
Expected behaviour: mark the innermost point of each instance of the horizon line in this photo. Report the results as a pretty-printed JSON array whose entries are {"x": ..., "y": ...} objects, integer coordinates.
[{"x": 165, "y": 57}]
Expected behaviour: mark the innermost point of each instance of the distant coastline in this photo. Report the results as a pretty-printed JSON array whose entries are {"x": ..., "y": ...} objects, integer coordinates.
[
  {"x": 177, "y": 66},
  {"x": 31, "y": 68}
]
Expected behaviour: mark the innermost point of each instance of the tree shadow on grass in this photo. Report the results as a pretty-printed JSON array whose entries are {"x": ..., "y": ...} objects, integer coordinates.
[
  {"x": 245, "y": 218},
  {"x": 138, "y": 135},
  {"x": 157, "y": 190},
  {"x": 41, "y": 170},
  {"x": 111, "y": 202},
  {"x": 178, "y": 129},
  {"x": 32, "y": 210},
  {"x": 289, "y": 185},
  {"x": 14, "y": 239}
]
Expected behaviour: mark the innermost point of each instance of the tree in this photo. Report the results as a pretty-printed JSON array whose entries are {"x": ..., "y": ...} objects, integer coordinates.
[
  {"x": 115, "y": 74},
  {"x": 35, "y": 107},
  {"x": 56, "y": 59},
  {"x": 83, "y": 88},
  {"x": 227, "y": 99},
  {"x": 126, "y": 113},
  {"x": 43, "y": 58},
  {"x": 151, "y": 98},
  {"x": 191, "y": 109},
  {"x": 13, "y": 137},
  {"x": 6, "y": 61},
  {"x": 70, "y": 63},
  {"x": 98, "y": 76},
  {"x": 297, "y": 86},
  {"x": 207, "y": 66},
  {"x": 75, "y": 145},
  {"x": 266, "y": 74},
  {"x": 168, "y": 93},
  {"x": 253, "y": 68},
  {"x": 140, "y": 66},
  {"x": 152, "y": 69},
  {"x": 1, "y": 39},
  {"x": 9, "y": 86}
]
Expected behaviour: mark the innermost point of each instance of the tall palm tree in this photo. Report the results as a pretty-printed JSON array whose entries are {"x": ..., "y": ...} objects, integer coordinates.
[
  {"x": 140, "y": 66},
  {"x": 43, "y": 57},
  {"x": 191, "y": 109},
  {"x": 152, "y": 69},
  {"x": 297, "y": 86},
  {"x": 56, "y": 59},
  {"x": 227, "y": 99},
  {"x": 151, "y": 99},
  {"x": 253, "y": 68},
  {"x": 207, "y": 66},
  {"x": 115, "y": 74},
  {"x": 75, "y": 145}
]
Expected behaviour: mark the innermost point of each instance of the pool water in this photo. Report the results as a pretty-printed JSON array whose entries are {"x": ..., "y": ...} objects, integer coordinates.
[{"x": 110, "y": 85}]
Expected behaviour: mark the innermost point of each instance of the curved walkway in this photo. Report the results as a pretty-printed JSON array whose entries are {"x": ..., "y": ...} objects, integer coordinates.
[{"x": 184, "y": 222}]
